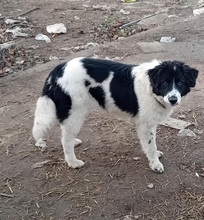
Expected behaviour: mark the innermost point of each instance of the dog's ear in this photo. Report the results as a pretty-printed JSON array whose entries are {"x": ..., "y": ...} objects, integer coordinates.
[
  {"x": 154, "y": 76},
  {"x": 190, "y": 75}
]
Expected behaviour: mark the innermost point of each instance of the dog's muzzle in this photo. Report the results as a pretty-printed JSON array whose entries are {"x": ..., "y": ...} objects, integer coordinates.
[{"x": 173, "y": 100}]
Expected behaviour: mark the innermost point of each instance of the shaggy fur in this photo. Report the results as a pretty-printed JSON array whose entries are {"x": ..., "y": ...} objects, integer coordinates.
[{"x": 147, "y": 93}]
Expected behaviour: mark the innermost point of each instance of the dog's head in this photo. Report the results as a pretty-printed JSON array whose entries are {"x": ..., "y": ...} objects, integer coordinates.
[{"x": 172, "y": 80}]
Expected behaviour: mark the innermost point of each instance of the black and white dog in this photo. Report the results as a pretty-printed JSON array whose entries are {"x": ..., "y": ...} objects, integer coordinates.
[{"x": 147, "y": 93}]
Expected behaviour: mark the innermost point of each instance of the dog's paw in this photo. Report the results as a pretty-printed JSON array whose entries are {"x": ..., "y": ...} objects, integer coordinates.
[
  {"x": 75, "y": 163},
  {"x": 77, "y": 142},
  {"x": 160, "y": 154},
  {"x": 157, "y": 166},
  {"x": 41, "y": 144}
]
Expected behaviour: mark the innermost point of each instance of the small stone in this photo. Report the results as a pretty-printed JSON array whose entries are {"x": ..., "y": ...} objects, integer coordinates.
[
  {"x": 76, "y": 48},
  {"x": 127, "y": 217},
  {"x": 76, "y": 18},
  {"x": 124, "y": 12},
  {"x": 8, "y": 70},
  {"x": 197, "y": 175},
  {"x": 167, "y": 39},
  {"x": 53, "y": 58},
  {"x": 182, "y": 116},
  {"x": 117, "y": 58},
  {"x": 90, "y": 45},
  {"x": 65, "y": 48},
  {"x": 150, "y": 185},
  {"x": 115, "y": 37},
  {"x": 33, "y": 47},
  {"x": 43, "y": 38},
  {"x": 121, "y": 38},
  {"x": 20, "y": 62},
  {"x": 136, "y": 158}
]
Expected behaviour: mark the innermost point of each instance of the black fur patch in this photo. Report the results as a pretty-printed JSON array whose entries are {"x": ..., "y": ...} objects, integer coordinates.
[
  {"x": 87, "y": 83},
  {"x": 98, "y": 94},
  {"x": 122, "y": 91},
  {"x": 51, "y": 89},
  {"x": 99, "y": 70},
  {"x": 149, "y": 142}
]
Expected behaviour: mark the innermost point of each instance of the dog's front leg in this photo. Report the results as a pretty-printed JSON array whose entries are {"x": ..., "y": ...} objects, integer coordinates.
[
  {"x": 70, "y": 129},
  {"x": 147, "y": 136}
]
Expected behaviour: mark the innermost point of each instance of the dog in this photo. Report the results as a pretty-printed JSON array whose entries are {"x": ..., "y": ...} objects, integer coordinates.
[{"x": 147, "y": 93}]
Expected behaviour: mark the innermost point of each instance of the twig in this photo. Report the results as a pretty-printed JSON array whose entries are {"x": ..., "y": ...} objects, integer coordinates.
[
  {"x": 135, "y": 22},
  {"x": 30, "y": 10},
  {"x": 6, "y": 195}
]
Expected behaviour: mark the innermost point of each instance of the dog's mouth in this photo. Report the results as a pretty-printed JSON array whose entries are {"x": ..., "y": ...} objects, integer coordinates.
[{"x": 174, "y": 104}]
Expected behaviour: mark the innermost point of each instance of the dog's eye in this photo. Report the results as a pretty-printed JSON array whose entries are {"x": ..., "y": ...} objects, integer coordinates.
[
  {"x": 179, "y": 83},
  {"x": 165, "y": 83}
]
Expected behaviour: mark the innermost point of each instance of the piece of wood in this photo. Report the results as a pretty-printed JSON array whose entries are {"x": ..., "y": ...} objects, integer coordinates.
[{"x": 26, "y": 12}]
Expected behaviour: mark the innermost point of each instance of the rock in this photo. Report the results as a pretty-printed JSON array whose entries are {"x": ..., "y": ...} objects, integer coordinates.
[
  {"x": 115, "y": 37},
  {"x": 122, "y": 11},
  {"x": 198, "y": 11},
  {"x": 53, "y": 58},
  {"x": 121, "y": 38},
  {"x": 76, "y": 18},
  {"x": 43, "y": 38},
  {"x": 150, "y": 186},
  {"x": 20, "y": 62},
  {"x": 90, "y": 45},
  {"x": 58, "y": 28},
  {"x": 127, "y": 217},
  {"x": 197, "y": 175},
  {"x": 167, "y": 39},
  {"x": 136, "y": 158},
  {"x": 7, "y": 70},
  {"x": 182, "y": 116}
]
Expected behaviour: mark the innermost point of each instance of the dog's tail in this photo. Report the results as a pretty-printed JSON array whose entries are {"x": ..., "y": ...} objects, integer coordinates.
[{"x": 45, "y": 117}]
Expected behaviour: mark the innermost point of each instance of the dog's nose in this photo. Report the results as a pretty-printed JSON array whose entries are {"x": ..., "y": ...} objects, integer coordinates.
[{"x": 173, "y": 100}]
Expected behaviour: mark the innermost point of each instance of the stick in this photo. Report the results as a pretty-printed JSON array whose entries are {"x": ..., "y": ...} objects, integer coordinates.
[
  {"x": 6, "y": 195},
  {"x": 24, "y": 13},
  {"x": 134, "y": 22}
]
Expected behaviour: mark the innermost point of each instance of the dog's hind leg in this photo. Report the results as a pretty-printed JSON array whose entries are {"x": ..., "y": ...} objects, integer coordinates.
[
  {"x": 45, "y": 117},
  {"x": 70, "y": 128},
  {"x": 147, "y": 136}
]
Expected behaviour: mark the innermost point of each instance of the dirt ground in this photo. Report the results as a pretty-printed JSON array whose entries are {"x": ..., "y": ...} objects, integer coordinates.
[{"x": 116, "y": 182}]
